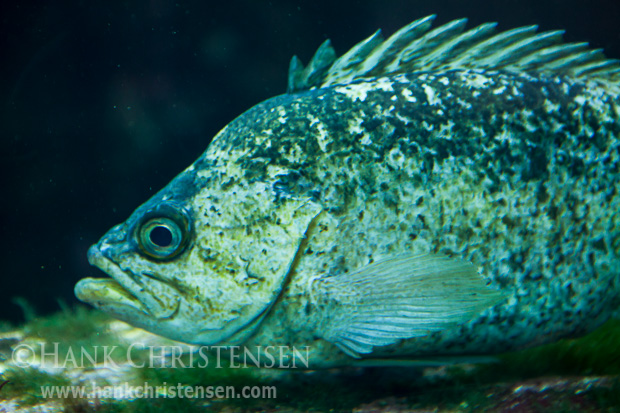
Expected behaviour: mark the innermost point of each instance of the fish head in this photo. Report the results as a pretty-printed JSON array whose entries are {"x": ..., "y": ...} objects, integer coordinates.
[{"x": 198, "y": 263}]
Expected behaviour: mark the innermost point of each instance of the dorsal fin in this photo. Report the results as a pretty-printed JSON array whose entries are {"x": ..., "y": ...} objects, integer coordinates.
[{"x": 417, "y": 48}]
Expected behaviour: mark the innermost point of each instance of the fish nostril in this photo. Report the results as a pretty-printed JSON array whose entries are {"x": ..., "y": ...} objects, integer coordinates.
[{"x": 117, "y": 234}]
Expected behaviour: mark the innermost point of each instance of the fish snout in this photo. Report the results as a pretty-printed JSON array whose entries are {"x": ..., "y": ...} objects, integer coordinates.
[{"x": 93, "y": 254}]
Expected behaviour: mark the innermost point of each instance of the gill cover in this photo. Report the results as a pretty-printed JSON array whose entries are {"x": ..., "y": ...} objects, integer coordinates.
[{"x": 246, "y": 242}]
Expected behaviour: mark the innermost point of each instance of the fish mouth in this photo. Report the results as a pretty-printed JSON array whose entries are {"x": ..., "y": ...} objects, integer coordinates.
[
  {"x": 103, "y": 293},
  {"x": 124, "y": 290}
]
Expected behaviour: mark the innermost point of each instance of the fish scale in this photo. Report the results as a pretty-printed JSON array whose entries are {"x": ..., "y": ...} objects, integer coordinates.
[
  {"x": 514, "y": 198},
  {"x": 393, "y": 208}
]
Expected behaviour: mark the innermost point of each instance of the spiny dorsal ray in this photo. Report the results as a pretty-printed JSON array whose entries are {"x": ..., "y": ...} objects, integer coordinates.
[{"x": 418, "y": 48}]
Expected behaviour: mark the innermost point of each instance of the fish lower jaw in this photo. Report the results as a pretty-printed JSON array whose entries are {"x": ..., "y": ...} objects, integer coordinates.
[
  {"x": 141, "y": 295},
  {"x": 107, "y": 295}
]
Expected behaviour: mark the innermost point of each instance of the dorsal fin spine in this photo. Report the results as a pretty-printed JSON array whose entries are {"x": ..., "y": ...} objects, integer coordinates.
[
  {"x": 417, "y": 48},
  {"x": 438, "y": 57},
  {"x": 358, "y": 53}
]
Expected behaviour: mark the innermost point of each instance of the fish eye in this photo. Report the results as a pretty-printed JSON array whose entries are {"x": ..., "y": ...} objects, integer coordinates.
[{"x": 161, "y": 238}]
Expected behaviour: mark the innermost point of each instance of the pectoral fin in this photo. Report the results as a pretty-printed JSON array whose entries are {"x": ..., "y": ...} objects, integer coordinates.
[{"x": 399, "y": 298}]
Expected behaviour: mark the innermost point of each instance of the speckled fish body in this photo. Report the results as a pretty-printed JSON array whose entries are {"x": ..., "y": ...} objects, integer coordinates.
[{"x": 508, "y": 159}]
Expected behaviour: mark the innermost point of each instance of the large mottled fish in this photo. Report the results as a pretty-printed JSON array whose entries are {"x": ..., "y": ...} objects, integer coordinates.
[{"x": 444, "y": 192}]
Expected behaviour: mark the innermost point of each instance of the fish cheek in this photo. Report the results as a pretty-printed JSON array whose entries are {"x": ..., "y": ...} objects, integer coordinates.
[{"x": 246, "y": 249}]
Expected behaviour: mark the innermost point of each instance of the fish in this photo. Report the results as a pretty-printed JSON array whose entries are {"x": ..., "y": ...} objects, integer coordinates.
[{"x": 445, "y": 192}]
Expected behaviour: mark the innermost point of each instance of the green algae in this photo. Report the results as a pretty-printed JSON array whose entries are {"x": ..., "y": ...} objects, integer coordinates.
[
  {"x": 27, "y": 308},
  {"x": 6, "y": 326},
  {"x": 24, "y": 384},
  {"x": 69, "y": 326},
  {"x": 474, "y": 389},
  {"x": 74, "y": 330},
  {"x": 162, "y": 406},
  {"x": 597, "y": 353},
  {"x": 212, "y": 375},
  {"x": 608, "y": 399}
]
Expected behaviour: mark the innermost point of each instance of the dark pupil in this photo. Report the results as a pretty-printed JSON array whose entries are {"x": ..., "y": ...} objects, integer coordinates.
[{"x": 161, "y": 236}]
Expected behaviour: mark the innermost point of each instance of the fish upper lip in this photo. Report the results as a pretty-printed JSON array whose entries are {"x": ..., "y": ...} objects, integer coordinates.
[
  {"x": 94, "y": 256},
  {"x": 110, "y": 268},
  {"x": 149, "y": 301}
]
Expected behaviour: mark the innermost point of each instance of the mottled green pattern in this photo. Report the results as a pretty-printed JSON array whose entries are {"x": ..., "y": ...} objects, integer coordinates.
[{"x": 514, "y": 172}]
